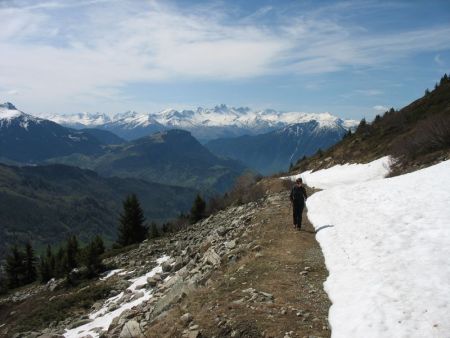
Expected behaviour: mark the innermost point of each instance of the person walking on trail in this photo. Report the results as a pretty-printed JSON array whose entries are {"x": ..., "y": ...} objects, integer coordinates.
[{"x": 298, "y": 197}]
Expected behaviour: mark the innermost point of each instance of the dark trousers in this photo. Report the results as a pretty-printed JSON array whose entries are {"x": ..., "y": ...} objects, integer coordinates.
[{"x": 297, "y": 213}]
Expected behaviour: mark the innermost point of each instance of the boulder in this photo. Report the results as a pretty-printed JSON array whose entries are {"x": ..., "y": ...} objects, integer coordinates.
[{"x": 131, "y": 329}]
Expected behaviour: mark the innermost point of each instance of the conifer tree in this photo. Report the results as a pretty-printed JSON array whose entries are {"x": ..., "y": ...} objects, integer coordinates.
[
  {"x": 30, "y": 264},
  {"x": 131, "y": 223},
  {"x": 197, "y": 210},
  {"x": 92, "y": 253},
  {"x": 72, "y": 250},
  {"x": 51, "y": 261},
  {"x": 153, "y": 230},
  {"x": 60, "y": 262},
  {"x": 15, "y": 267},
  {"x": 45, "y": 273}
]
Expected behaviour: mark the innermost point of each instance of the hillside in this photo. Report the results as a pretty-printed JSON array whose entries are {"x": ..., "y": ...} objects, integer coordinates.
[
  {"x": 273, "y": 152},
  {"x": 241, "y": 273},
  {"x": 45, "y": 204},
  {"x": 416, "y": 135},
  {"x": 173, "y": 157}
]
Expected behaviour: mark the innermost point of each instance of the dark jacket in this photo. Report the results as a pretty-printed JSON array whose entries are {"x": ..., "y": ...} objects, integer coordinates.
[{"x": 298, "y": 195}]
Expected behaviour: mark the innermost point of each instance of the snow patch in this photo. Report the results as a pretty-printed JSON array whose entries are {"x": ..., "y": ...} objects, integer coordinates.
[
  {"x": 345, "y": 174},
  {"x": 101, "y": 319}
]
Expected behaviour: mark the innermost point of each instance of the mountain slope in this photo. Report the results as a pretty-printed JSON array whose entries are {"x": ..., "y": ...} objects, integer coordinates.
[
  {"x": 47, "y": 203},
  {"x": 28, "y": 139},
  {"x": 274, "y": 151},
  {"x": 172, "y": 157},
  {"x": 204, "y": 123},
  {"x": 104, "y": 136},
  {"x": 417, "y": 135}
]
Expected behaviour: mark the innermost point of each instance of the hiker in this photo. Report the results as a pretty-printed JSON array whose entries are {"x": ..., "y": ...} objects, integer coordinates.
[{"x": 298, "y": 198}]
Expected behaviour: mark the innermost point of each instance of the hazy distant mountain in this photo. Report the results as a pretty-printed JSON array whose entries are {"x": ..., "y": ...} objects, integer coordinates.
[
  {"x": 272, "y": 152},
  {"x": 204, "y": 123},
  {"x": 28, "y": 139},
  {"x": 48, "y": 203},
  {"x": 172, "y": 157}
]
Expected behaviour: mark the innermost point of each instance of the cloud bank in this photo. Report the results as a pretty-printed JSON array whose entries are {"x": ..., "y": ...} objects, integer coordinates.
[{"x": 90, "y": 50}]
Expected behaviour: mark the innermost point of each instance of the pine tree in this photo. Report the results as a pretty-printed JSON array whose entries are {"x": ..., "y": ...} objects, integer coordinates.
[
  {"x": 60, "y": 262},
  {"x": 72, "y": 250},
  {"x": 92, "y": 253},
  {"x": 30, "y": 262},
  {"x": 45, "y": 273},
  {"x": 3, "y": 283},
  {"x": 50, "y": 258},
  {"x": 15, "y": 267},
  {"x": 197, "y": 210},
  {"x": 131, "y": 223},
  {"x": 153, "y": 230}
]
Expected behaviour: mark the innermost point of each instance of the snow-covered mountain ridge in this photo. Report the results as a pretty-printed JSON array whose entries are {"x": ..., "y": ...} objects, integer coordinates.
[
  {"x": 9, "y": 113},
  {"x": 204, "y": 123}
]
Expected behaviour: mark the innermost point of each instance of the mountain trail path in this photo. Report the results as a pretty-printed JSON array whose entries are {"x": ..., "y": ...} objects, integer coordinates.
[{"x": 274, "y": 290}]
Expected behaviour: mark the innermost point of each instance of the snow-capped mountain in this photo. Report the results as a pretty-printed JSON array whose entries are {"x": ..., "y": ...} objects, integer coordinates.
[
  {"x": 274, "y": 151},
  {"x": 28, "y": 139},
  {"x": 80, "y": 120},
  {"x": 204, "y": 123}
]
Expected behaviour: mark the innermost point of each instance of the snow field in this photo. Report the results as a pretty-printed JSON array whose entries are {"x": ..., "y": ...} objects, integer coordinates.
[{"x": 387, "y": 248}]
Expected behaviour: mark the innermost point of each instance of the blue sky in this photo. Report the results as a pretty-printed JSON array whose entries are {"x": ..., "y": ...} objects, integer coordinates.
[{"x": 351, "y": 58}]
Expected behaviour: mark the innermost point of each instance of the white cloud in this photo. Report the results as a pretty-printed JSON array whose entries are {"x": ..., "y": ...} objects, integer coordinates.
[
  {"x": 380, "y": 108},
  {"x": 91, "y": 52}
]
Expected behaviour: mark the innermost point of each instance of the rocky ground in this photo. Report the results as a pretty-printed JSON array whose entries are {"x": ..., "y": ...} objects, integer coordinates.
[{"x": 244, "y": 272}]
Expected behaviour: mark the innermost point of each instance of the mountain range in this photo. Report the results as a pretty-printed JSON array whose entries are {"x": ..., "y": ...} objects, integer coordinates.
[
  {"x": 204, "y": 123},
  {"x": 274, "y": 151}
]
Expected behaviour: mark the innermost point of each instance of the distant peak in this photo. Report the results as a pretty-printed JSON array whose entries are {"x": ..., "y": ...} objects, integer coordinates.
[{"x": 8, "y": 105}]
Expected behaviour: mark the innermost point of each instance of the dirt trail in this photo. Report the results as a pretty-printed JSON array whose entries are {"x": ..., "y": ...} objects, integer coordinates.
[{"x": 274, "y": 290}]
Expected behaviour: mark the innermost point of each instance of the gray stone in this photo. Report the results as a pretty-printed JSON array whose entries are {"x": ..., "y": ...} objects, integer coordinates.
[
  {"x": 211, "y": 257},
  {"x": 166, "y": 266},
  {"x": 131, "y": 329},
  {"x": 186, "y": 318},
  {"x": 230, "y": 244}
]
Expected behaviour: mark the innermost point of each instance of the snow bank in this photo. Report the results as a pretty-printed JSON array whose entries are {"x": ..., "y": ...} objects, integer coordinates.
[
  {"x": 387, "y": 246},
  {"x": 345, "y": 174},
  {"x": 101, "y": 319}
]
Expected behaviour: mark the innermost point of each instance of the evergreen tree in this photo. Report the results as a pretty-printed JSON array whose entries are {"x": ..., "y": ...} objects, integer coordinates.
[
  {"x": 15, "y": 267},
  {"x": 427, "y": 92},
  {"x": 60, "y": 263},
  {"x": 45, "y": 273},
  {"x": 3, "y": 283},
  {"x": 92, "y": 253},
  {"x": 30, "y": 262},
  {"x": 197, "y": 210},
  {"x": 51, "y": 261},
  {"x": 131, "y": 223},
  {"x": 72, "y": 251},
  {"x": 153, "y": 230}
]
